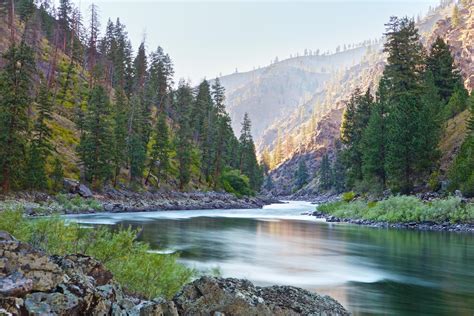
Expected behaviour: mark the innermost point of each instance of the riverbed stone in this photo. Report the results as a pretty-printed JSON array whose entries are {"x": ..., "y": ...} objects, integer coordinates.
[{"x": 218, "y": 296}]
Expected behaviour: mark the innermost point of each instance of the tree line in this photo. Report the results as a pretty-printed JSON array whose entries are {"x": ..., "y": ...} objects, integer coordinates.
[
  {"x": 134, "y": 127},
  {"x": 391, "y": 139}
]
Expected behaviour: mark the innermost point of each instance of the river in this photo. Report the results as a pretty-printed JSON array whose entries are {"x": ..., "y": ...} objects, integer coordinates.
[{"x": 369, "y": 270}]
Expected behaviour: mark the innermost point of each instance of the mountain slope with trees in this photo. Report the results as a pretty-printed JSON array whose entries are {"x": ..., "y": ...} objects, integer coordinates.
[
  {"x": 81, "y": 104},
  {"x": 450, "y": 47}
]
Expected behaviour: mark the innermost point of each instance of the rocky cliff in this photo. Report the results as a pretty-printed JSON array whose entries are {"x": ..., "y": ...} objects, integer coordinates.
[{"x": 33, "y": 283}]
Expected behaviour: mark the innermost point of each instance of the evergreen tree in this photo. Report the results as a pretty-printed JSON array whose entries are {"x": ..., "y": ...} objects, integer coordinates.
[
  {"x": 203, "y": 121},
  {"x": 374, "y": 140},
  {"x": 461, "y": 173},
  {"x": 57, "y": 176},
  {"x": 223, "y": 146},
  {"x": 356, "y": 118},
  {"x": 16, "y": 80},
  {"x": 138, "y": 126},
  {"x": 301, "y": 175},
  {"x": 441, "y": 64},
  {"x": 458, "y": 101},
  {"x": 248, "y": 160},
  {"x": 159, "y": 158},
  {"x": 403, "y": 78},
  {"x": 338, "y": 173},
  {"x": 184, "y": 100},
  {"x": 95, "y": 147},
  {"x": 120, "y": 114},
  {"x": 325, "y": 174},
  {"x": 40, "y": 147}
]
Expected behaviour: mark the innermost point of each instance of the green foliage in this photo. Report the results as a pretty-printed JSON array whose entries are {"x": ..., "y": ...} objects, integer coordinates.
[
  {"x": 131, "y": 262},
  {"x": 235, "y": 182},
  {"x": 301, "y": 175},
  {"x": 325, "y": 173},
  {"x": 441, "y": 65},
  {"x": 348, "y": 196},
  {"x": 57, "y": 176},
  {"x": 96, "y": 140},
  {"x": 403, "y": 209},
  {"x": 16, "y": 81},
  {"x": 248, "y": 159},
  {"x": 457, "y": 103}
]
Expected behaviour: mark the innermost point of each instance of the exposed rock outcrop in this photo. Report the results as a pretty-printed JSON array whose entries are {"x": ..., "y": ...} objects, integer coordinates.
[
  {"x": 33, "y": 283},
  {"x": 217, "y": 296}
]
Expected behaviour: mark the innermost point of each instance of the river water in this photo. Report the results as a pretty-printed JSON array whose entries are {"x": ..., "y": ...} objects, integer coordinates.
[{"x": 370, "y": 271}]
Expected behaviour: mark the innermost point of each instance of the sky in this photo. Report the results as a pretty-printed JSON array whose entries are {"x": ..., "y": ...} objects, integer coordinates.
[{"x": 209, "y": 38}]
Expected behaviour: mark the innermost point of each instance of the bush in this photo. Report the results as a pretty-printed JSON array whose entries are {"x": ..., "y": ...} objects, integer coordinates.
[
  {"x": 130, "y": 261},
  {"x": 403, "y": 209},
  {"x": 348, "y": 196},
  {"x": 234, "y": 182}
]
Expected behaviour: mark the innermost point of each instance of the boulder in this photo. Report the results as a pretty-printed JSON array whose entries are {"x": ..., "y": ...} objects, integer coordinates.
[
  {"x": 218, "y": 296},
  {"x": 33, "y": 283},
  {"x": 75, "y": 187}
]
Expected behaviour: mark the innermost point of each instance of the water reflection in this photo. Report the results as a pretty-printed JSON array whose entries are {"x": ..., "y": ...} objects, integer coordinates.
[{"x": 370, "y": 271}]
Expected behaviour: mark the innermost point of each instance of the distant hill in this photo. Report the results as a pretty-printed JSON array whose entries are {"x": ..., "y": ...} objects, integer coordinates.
[{"x": 304, "y": 123}]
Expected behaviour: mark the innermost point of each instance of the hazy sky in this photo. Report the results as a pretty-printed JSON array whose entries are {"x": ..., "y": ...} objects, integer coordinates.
[{"x": 205, "y": 38}]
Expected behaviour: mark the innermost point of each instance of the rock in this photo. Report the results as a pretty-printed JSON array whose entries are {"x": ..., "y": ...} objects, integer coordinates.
[
  {"x": 75, "y": 187},
  {"x": 31, "y": 282},
  {"x": 84, "y": 191},
  {"x": 15, "y": 284},
  {"x": 218, "y": 296}
]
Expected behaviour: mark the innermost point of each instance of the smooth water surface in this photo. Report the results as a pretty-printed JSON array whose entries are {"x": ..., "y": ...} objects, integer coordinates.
[{"x": 369, "y": 270}]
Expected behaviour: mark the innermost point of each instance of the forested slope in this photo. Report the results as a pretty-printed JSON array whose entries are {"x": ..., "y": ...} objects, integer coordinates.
[{"x": 80, "y": 104}]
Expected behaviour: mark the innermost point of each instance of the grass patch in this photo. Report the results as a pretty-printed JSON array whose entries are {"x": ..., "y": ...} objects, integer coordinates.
[
  {"x": 149, "y": 274},
  {"x": 403, "y": 209}
]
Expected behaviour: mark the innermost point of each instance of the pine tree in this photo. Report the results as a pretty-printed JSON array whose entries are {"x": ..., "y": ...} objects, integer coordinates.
[
  {"x": 120, "y": 112},
  {"x": 138, "y": 137},
  {"x": 374, "y": 140},
  {"x": 441, "y": 64},
  {"x": 159, "y": 158},
  {"x": 355, "y": 120},
  {"x": 338, "y": 173},
  {"x": 248, "y": 160},
  {"x": 16, "y": 80},
  {"x": 40, "y": 147},
  {"x": 458, "y": 101},
  {"x": 223, "y": 151},
  {"x": 95, "y": 147},
  {"x": 184, "y": 100},
  {"x": 57, "y": 176},
  {"x": 203, "y": 122},
  {"x": 301, "y": 175},
  {"x": 403, "y": 78},
  {"x": 325, "y": 174}
]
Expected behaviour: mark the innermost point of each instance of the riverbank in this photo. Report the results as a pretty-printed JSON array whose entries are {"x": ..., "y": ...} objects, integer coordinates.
[
  {"x": 451, "y": 214},
  {"x": 34, "y": 282},
  {"x": 83, "y": 201}
]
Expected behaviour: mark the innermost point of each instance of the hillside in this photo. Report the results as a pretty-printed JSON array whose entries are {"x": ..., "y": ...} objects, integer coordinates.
[
  {"x": 311, "y": 128},
  {"x": 272, "y": 93},
  {"x": 80, "y": 104}
]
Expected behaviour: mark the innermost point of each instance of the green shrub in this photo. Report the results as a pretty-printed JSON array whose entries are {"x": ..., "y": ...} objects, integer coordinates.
[
  {"x": 348, "y": 196},
  {"x": 130, "y": 261},
  {"x": 403, "y": 209},
  {"x": 234, "y": 182}
]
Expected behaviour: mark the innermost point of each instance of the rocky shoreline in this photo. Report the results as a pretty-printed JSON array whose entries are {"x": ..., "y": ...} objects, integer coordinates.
[
  {"x": 120, "y": 201},
  {"x": 33, "y": 283},
  {"x": 422, "y": 226}
]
